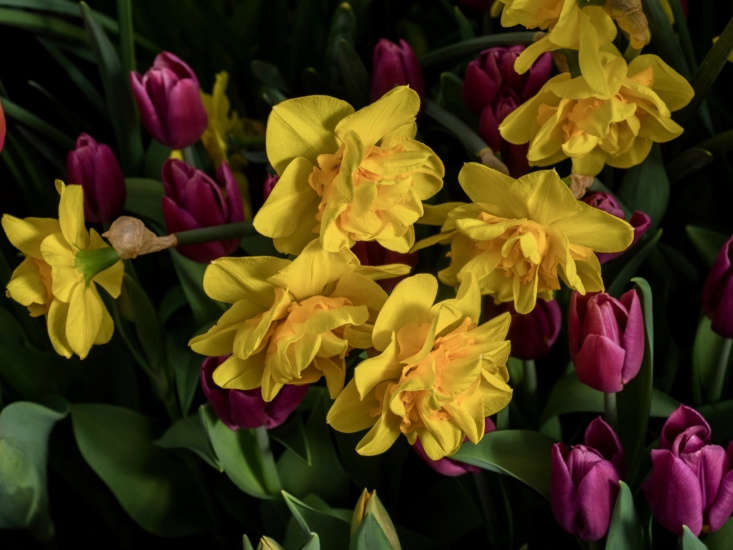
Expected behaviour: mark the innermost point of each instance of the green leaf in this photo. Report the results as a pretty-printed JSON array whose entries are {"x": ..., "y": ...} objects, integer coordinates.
[
  {"x": 153, "y": 487},
  {"x": 720, "y": 417},
  {"x": 185, "y": 366},
  {"x": 25, "y": 117},
  {"x": 522, "y": 454},
  {"x": 664, "y": 38},
  {"x": 120, "y": 105},
  {"x": 707, "y": 242},
  {"x": 246, "y": 544},
  {"x": 41, "y": 24},
  {"x": 688, "y": 162},
  {"x": 243, "y": 456},
  {"x": 143, "y": 314},
  {"x": 143, "y": 199},
  {"x": 332, "y": 526},
  {"x": 314, "y": 543},
  {"x": 450, "y": 97},
  {"x": 467, "y": 48},
  {"x": 645, "y": 187},
  {"x": 189, "y": 433},
  {"x": 634, "y": 402},
  {"x": 293, "y": 436},
  {"x": 465, "y": 29},
  {"x": 127, "y": 35},
  {"x": 353, "y": 73},
  {"x": 369, "y": 536},
  {"x": 632, "y": 265},
  {"x": 720, "y": 539},
  {"x": 690, "y": 541},
  {"x": 24, "y": 431},
  {"x": 625, "y": 532},
  {"x": 705, "y": 356},
  {"x": 191, "y": 276}
]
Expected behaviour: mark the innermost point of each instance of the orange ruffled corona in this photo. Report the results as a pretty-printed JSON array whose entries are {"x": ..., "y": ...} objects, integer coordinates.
[
  {"x": 347, "y": 176},
  {"x": 438, "y": 375}
]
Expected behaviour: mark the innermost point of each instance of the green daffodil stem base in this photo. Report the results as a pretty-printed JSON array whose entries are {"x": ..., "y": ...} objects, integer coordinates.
[
  {"x": 215, "y": 233},
  {"x": 610, "y": 408},
  {"x": 721, "y": 370}
]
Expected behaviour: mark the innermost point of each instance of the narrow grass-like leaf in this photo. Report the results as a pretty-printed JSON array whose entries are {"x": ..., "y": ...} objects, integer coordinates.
[
  {"x": 465, "y": 48},
  {"x": 25, "y": 117}
]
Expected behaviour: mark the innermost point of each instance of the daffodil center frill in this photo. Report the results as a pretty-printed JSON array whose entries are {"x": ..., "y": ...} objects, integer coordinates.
[{"x": 369, "y": 194}]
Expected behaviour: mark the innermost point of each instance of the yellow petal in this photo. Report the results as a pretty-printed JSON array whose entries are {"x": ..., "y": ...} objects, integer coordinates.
[
  {"x": 292, "y": 206},
  {"x": 231, "y": 279},
  {"x": 84, "y": 319},
  {"x": 71, "y": 214},
  {"x": 219, "y": 339},
  {"x": 372, "y": 371},
  {"x": 671, "y": 86},
  {"x": 596, "y": 29},
  {"x": 595, "y": 229},
  {"x": 396, "y": 108},
  {"x": 410, "y": 302},
  {"x": 303, "y": 127},
  {"x": 381, "y": 437},
  {"x": 56, "y": 327},
  {"x": 349, "y": 413},
  {"x": 26, "y": 234},
  {"x": 106, "y": 328},
  {"x": 240, "y": 374},
  {"x": 26, "y": 285}
]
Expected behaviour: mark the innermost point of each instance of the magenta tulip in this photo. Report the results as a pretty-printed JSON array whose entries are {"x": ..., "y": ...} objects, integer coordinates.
[
  {"x": 447, "y": 466},
  {"x": 168, "y": 97},
  {"x": 691, "y": 482},
  {"x": 585, "y": 482},
  {"x": 94, "y": 166},
  {"x": 246, "y": 408},
  {"x": 193, "y": 200},
  {"x": 373, "y": 253},
  {"x": 717, "y": 294},
  {"x": 533, "y": 334},
  {"x": 639, "y": 220},
  {"x": 606, "y": 339},
  {"x": 270, "y": 181},
  {"x": 394, "y": 65}
]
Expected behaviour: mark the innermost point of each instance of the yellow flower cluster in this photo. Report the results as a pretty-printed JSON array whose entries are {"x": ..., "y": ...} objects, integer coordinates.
[
  {"x": 611, "y": 112},
  {"x": 58, "y": 278}
]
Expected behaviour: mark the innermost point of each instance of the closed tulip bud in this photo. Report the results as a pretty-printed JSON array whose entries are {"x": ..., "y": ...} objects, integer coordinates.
[
  {"x": 395, "y": 65},
  {"x": 193, "y": 200},
  {"x": 94, "y": 166},
  {"x": 717, "y": 294},
  {"x": 483, "y": 80},
  {"x": 606, "y": 339},
  {"x": 585, "y": 482},
  {"x": 246, "y": 408},
  {"x": 532, "y": 335},
  {"x": 639, "y": 220},
  {"x": 447, "y": 466},
  {"x": 373, "y": 253},
  {"x": 169, "y": 100},
  {"x": 691, "y": 482},
  {"x": 370, "y": 505}
]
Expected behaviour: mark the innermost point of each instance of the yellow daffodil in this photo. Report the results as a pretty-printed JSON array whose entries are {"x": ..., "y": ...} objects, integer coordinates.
[
  {"x": 225, "y": 126},
  {"x": 519, "y": 237},
  {"x": 577, "y": 25},
  {"x": 438, "y": 375},
  {"x": 568, "y": 119},
  {"x": 347, "y": 176},
  {"x": 291, "y": 322},
  {"x": 60, "y": 273}
]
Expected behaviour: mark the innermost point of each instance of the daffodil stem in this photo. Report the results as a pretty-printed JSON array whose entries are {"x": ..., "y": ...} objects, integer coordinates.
[
  {"x": 530, "y": 377},
  {"x": 474, "y": 45},
  {"x": 610, "y": 408},
  {"x": 215, "y": 233},
  {"x": 721, "y": 370},
  {"x": 470, "y": 140},
  {"x": 189, "y": 156}
]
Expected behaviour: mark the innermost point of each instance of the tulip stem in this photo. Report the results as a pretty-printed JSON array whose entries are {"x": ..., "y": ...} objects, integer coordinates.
[
  {"x": 215, "y": 233},
  {"x": 721, "y": 370},
  {"x": 611, "y": 410},
  {"x": 474, "y": 45}
]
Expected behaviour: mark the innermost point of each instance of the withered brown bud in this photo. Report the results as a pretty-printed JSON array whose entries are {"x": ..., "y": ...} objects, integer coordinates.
[
  {"x": 579, "y": 184},
  {"x": 488, "y": 158},
  {"x": 130, "y": 238}
]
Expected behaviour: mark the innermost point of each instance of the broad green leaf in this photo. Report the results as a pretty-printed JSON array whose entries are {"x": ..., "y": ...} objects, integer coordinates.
[
  {"x": 634, "y": 402},
  {"x": 293, "y": 436},
  {"x": 143, "y": 199},
  {"x": 690, "y": 541},
  {"x": 369, "y": 536},
  {"x": 127, "y": 35},
  {"x": 41, "y": 23},
  {"x": 24, "y": 431},
  {"x": 189, "y": 433},
  {"x": 25, "y": 117},
  {"x": 116, "y": 82},
  {"x": 244, "y": 456},
  {"x": 185, "y": 367},
  {"x": 353, "y": 73},
  {"x": 707, "y": 242},
  {"x": 632, "y": 265},
  {"x": 246, "y": 544},
  {"x": 664, "y": 39},
  {"x": 625, "y": 531},
  {"x": 450, "y": 97},
  {"x": 172, "y": 302},
  {"x": 720, "y": 418},
  {"x": 720, "y": 539},
  {"x": 522, "y": 454},
  {"x": 314, "y": 543},
  {"x": 332, "y": 526},
  {"x": 688, "y": 162},
  {"x": 191, "y": 276},
  {"x": 645, "y": 187},
  {"x": 706, "y": 353},
  {"x": 152, "y": 485},
  {"x": 465, "y": 29}
]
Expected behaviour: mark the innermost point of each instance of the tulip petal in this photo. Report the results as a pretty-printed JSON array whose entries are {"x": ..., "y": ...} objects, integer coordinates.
[
  {"x": 562, "y": 490},
  {"x": 680, "y": 421},
  {"x": 722, "y": 507},
  {"x": 186, "y": 116},
  {"x": 673, "y": 493},
  {"x": 599, "y": 363},
  {"x": 596, "y": 496},
  {"x": 600, "y": 436},
  {"x": 633, "y": 337},
  {"x": 303, "y": 127}
]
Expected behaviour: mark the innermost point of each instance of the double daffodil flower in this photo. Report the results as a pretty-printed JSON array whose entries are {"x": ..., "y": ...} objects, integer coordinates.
[{"x": 59, "y": 276}]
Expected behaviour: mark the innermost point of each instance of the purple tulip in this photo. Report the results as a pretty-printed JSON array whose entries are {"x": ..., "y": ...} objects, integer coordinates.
[
  {"x": 691, "y": 482},
  {"x": 246, "y": 409},
  {"x": 94, "y": 166},
  {"x": 193, "y": 200},
  {"x": 269, "y": 184},
  {"x": 585, "y": 481},
  {"x": 447, "y": 466},
  {"x": 533, "y": 334},
  {"x": 493, "y": 89},
  {"x": 639, "y": 220},
  {"x": 394, "y": 65},
  {"x": 717, "y": 294},
  {"x": 169, "y": 100},
  {"x": 606, "y": 339}
]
